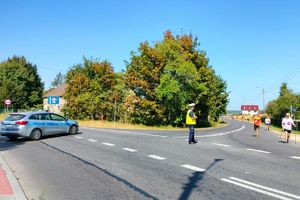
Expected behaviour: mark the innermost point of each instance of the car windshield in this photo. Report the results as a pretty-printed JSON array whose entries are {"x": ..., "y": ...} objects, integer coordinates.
[{"x": 14, "y": 117}]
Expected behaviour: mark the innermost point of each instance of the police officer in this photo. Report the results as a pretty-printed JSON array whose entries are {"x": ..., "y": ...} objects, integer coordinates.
[{"x": 191, "y": 122}]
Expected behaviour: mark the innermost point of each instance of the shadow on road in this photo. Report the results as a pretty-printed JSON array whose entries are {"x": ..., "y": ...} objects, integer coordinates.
[
  {"x": 281, "y": 141},
  {"x": 117, "y": 178},
  {"x": 193, "y": 180},
  {"x": 6, "y": 144}
]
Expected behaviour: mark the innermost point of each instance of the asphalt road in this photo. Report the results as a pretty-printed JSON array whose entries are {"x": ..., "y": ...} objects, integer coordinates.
[{"x": 226, "y": 163}]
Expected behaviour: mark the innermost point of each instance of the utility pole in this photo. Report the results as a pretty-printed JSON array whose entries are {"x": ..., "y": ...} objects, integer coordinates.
[
  {"x": 115, "y": 111},
  {"x": 263, "y": 93},
  {"x": 263, "y": 96}
]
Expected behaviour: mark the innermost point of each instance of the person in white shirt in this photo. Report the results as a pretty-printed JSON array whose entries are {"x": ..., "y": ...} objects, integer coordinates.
[
  {"x": 287, "y": 124},
  {"x": 268, "y": 122}
]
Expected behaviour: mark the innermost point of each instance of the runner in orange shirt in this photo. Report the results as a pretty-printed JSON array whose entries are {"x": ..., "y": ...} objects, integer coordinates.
[{"x": 257, "y": 122}]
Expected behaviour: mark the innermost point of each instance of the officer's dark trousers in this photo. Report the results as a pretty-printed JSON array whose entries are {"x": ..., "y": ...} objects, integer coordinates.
[{"x": 192, "y": 133}]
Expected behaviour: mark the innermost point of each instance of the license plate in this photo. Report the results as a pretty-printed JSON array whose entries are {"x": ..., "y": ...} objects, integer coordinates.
[
  {"x": 8, "y": 123},
  {"x": 9, "y": 129}
]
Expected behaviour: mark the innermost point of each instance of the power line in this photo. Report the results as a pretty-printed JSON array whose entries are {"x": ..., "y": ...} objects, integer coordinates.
[
  {"x": 292, "y": 76},
  {"x": 289, "y": 77}
]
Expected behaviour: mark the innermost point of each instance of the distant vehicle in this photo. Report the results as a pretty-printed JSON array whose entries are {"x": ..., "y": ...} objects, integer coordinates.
[{"x": 34, "y": 125}]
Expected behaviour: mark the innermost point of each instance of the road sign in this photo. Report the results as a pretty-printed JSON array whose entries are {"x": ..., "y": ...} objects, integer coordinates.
[
  {"x": 53, "y": 100},
  {"x": 7, "y": 102}
]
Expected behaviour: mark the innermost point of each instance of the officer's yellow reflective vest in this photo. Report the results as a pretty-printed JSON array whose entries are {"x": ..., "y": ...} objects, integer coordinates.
[{"x": 189, "y": 120}]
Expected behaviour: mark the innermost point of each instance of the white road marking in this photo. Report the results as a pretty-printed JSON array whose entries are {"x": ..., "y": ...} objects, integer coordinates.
[
  {"x": 259, "y": 151},
  {"x": 92, "y": 140},
  {"x": 222, "y": 145},
  {"x": 260, "y": 188},
  {"x": 148, "y": 134},
  {"x": 198, "y": 169},
  {"x": 216, "y": 134},
  {"x": 265, "y": 188},
  {"x": 162, "y": 136},
  {"x": 130, "y": 150},
  {"x": 108, "y": 144},
  {"x": 78, "y": 137},
  {"x": 128, "y": 132},
  {"x": 295, "y": 157},
  {"x": 156, "y": 157},
  {"x": 255, "y": 189}
]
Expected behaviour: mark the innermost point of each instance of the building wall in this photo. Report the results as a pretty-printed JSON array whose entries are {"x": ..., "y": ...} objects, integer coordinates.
[
  {"x": 251, "y": 112},
  {"x": 56, "y": 108}
]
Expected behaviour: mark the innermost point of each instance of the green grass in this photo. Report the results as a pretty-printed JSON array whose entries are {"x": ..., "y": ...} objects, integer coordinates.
[
  {"x": 3, "y": 115},
  {"x": 107, "y": 124}
]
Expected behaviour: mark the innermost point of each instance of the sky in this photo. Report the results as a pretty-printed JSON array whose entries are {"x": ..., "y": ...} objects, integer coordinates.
[{"x": 253, "y": 45}]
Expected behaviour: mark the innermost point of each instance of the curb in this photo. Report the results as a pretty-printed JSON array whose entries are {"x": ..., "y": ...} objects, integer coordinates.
[{"x": 11, "y": 189}]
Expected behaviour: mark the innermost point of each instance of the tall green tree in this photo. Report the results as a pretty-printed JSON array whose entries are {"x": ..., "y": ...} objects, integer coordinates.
[
  {"x": 166, "y": 77},
  {"x": 287, "y": 98},
  {"x": 21, "y": 83}
]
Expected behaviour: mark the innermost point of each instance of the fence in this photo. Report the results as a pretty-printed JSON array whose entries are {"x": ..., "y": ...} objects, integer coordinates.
[{"x": 14, "y": 110}]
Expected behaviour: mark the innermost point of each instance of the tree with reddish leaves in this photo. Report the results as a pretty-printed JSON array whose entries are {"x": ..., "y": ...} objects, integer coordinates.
[
  {"x": 166, "y": 77},
  {"x": 93, "y": 88}
]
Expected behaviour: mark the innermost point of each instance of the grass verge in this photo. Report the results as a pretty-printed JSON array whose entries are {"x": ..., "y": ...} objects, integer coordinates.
[
  {"x": 3, "y": 115},
  {"x": 120, "y": 125},
  {"x": 279, "y": 129}
]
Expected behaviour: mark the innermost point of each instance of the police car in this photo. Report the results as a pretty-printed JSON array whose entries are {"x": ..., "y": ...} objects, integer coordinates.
[{"x": 34, "y": 125}]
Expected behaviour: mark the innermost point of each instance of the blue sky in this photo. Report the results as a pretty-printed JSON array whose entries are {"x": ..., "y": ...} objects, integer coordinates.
[{"x": 253, "y": 45}]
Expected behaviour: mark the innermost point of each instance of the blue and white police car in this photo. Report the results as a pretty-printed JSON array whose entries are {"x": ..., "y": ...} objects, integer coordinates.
[{"x": 34, "y": 125}]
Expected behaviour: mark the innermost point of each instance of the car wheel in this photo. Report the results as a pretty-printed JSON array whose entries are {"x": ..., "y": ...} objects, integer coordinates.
[
  {"x": 12, "y": 137},
  {"x": 36, "y": 134},
  {"x": 73, "y": 130}
]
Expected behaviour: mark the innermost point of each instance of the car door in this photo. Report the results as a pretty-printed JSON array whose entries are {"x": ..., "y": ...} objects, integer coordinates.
[
  {"x": 35, "y": 121},
  {"x": 59, "y": 123},
  {"x": 48, "y": 125}
]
